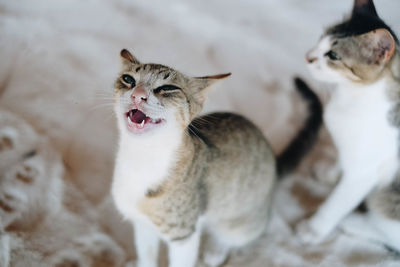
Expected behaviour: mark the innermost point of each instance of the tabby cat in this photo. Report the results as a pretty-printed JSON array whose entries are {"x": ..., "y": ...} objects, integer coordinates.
[{"x": 178, "y": 174}]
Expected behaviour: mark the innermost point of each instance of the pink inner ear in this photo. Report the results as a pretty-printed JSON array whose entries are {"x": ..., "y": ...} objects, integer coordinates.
[
  {"x": 386, "y": 44},
  {"x": 127, "y": 55}
]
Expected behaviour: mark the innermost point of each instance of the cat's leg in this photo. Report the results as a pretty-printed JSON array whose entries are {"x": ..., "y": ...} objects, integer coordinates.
[
  {"x": 347, "y": 195},
  {"x": 183, "y": 253},
  {"x": 359, "y": 225},
  {"x": 227, "y": 234},
  {"x": 215, "y": 252},
  {"x": 389, "y": 228},
  {"x": 147, "y": 245},
  {"x": 375, "y": 228}
]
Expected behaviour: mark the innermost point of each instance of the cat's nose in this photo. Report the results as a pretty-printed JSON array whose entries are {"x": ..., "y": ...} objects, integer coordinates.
[
  {"x": 310, "y": 58},
  {"x": 139, "y": 95}
]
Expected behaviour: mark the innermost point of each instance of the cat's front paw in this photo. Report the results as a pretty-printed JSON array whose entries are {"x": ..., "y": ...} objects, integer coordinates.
[
  {"x": 307, "y": 234},
  {"x": 214, "y": 259}
]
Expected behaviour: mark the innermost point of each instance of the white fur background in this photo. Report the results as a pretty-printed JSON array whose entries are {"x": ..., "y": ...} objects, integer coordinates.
[{"x": 59, "y": 60}]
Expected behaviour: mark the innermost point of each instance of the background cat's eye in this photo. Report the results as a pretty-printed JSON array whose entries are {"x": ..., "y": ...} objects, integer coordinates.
[
  {"x": 166, "y": 88},
  {"x": 332, "y": 55},
  {"x": 129, "y": 79}
]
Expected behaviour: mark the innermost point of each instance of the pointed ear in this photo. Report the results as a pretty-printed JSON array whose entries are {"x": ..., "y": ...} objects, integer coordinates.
[
  {"x": 381, "y": 44},
  {"x": 209, "y": 80},
  {"x": 364, "y": 7},
  {"x": 128, "y": 58},
  {"x": 203, "y": 85}
]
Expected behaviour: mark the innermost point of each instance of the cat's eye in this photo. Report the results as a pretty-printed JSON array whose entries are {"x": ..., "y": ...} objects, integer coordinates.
[
  {"x": 129, "y": 79},
  {"x": 166, "y": 88},
  {"x": 332, "y": 55}
]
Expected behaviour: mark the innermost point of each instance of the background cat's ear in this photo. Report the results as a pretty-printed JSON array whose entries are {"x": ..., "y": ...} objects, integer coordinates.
[
  {"x": 204, "y": 83},
  {"x": 381, "y": 44},
  {"x": 366, "y": 7},
  {"x": 128, "y": 58}
]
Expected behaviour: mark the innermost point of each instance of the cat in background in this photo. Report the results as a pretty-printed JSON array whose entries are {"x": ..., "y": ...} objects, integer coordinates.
[
  {"x": 178, "y": 174},
  {"x": 361, "y": 56}
]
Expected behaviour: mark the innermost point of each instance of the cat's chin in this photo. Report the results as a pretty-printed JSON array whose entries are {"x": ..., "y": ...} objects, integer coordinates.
[{"x": 140, "y": 123}]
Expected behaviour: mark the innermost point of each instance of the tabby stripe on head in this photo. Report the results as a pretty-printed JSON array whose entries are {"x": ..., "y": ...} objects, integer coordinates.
[{"x": 165, "y": 88}]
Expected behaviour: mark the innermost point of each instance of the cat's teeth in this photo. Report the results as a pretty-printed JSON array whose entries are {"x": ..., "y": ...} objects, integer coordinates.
[{"x": 142, "y": 124}]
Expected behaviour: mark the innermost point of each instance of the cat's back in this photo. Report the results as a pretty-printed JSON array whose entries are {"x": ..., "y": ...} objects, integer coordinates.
[
  {"x": 241, "y": 169},
  {"x": 228, "y": 131},
  {"x": 236, "y": 150}
]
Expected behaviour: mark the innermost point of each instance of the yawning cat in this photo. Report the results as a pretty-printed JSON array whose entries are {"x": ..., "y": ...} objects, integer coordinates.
[{"x": 177, "y": 174}]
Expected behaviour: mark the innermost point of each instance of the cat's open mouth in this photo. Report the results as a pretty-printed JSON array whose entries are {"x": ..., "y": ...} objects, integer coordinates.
[{"x": 137, "y": 120}]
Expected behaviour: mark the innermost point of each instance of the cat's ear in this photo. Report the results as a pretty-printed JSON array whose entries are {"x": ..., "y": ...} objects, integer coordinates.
[
  {"x": 128, "y": 58},
  {"x": 381, "y": 44},
  {"x": 209, "y": 80},
  {"x": 203, "y": 85},
  {"x": 366, "y": 7}
]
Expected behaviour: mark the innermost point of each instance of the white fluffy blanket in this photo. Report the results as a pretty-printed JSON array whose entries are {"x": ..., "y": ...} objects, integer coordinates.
[{"x": 59, "y": 60}]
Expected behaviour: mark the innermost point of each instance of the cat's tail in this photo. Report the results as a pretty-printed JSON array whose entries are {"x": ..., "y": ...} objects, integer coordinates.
[{"x": 307, "y": 136}]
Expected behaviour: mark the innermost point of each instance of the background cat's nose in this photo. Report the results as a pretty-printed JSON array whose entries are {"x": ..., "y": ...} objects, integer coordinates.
[
  {"x": 310, "y": 58},
  {"x": 139, "y": 95}
]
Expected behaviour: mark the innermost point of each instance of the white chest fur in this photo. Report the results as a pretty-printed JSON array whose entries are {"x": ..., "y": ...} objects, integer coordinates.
[
  {"x": 141, "y": 163},
  {"x": 357, "y": 119}
]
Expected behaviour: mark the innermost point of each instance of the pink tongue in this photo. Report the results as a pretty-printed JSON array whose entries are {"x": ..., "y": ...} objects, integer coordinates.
[{"x": 137, "y": 116}]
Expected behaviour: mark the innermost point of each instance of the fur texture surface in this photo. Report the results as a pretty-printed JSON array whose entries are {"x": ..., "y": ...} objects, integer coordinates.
[{"x": 45, "y": 221}]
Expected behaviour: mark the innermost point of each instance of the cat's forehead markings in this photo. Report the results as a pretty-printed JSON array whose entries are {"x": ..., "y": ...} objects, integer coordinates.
[
  {"x": 147, "y": 76},
  {"x": 165, "y": 72},
  {"x": 138, "y": 68}
]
